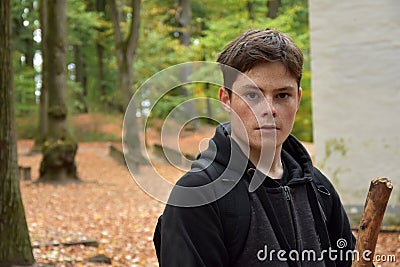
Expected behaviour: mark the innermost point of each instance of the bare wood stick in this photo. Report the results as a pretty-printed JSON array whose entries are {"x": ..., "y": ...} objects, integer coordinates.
[{"x": 374, "y": 209}]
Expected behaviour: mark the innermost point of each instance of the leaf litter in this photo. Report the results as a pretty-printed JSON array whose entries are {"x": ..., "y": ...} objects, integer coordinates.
[{"x": 109, "y": 207}]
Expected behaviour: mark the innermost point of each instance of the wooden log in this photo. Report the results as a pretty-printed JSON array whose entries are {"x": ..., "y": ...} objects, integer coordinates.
[
  {"x": 85, "y": 242},
  {"x": 371, "y": 220}
]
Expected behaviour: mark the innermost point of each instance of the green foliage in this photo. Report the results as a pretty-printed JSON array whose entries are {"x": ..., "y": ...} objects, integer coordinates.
[
  {"x": 24, "y": 83},
  {"x": 26, "y": 126},
  {"x": 24, "y": 22},
  {"x": 213, "y": 25},
  {"x": 82, "y": 23},
  {"x": 166, "y": 104},
  {"x": 76, "y": 103},
  {"x": 293, "y": 20}
]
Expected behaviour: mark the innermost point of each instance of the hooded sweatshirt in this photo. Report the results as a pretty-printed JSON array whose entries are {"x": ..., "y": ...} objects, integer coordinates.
[{"x": 284, "y": 217}]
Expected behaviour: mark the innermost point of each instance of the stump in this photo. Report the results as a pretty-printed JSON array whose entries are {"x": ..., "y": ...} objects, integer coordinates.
[{"x": 25, "y": 173}]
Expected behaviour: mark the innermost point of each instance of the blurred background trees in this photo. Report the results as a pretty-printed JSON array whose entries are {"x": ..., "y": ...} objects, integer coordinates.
[
  {"x": 107, "y": 54},
  {"x": 170, "y": 32}
]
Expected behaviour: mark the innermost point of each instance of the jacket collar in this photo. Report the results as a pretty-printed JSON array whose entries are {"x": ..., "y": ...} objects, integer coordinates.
[{"x": 225, "y": 151}]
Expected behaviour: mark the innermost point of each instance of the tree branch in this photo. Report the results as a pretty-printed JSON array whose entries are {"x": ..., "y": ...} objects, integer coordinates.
[{"x": 116, "y": 22}]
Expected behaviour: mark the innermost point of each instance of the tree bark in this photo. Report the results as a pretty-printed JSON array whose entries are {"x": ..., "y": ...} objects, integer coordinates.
[
  {"x": 126, "y": 48},
  {"x": 101, "y": 72},
  {"x": 374, "y": 210},
  {"x": 30, "y": 50},
  {"x": 29, "y": 43},
  {"x": 100, "y": 7},
  {"x": 125, "y": 53},
  {"x": 208, "y": 102},
  {"x": 81, "y": 76},
  {"x": 273, "y": 8},
  {"x": 15, "y": 245},
  {"x": 183, "y": 17},
  {"x": 58, "y": 163},
  {"x": 250, "y": 9},
  {"x": 42, "y": 122}
]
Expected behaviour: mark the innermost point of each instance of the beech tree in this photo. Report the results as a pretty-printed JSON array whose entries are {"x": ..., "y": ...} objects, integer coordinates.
[
  {"x": 42, "y": 121},
  {"x": 125, "y": 49},
  {"x": 15, "y": 245},
  {"x": 59, "y": 150},
  {"x": 183, "y": 17},
  {"x": 273, "y": 8}
]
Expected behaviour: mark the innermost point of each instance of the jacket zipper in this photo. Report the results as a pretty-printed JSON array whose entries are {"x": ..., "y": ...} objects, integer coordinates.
[
  {"x": 292, "y": 217},
  {"x": 287, "y": 193}
]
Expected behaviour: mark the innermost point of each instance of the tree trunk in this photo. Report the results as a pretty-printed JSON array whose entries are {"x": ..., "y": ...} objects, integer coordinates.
[
  {"x": 183, "y": 17},
  {"x": 100, "y": 6},
  {"x": 42, "y": 122},
  {"x": 208, "y": 103},
  {"x": 125, "y": 53},
  {"x": 273, "y": 8},
  {"x": 78, "y": 60},
  {"x": 58, "y": 162},
  {"x": 101, "y": 73},
  {"x": 250, "y": 9},
  {"x": 80, "y": 76},
  {"x": 30, "y": 49},
  {"x": 29, "y": 43},
  {"x": 15, "y": 245}
]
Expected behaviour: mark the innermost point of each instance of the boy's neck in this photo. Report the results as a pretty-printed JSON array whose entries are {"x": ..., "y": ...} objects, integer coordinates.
[{"x": 274, "y": 167}]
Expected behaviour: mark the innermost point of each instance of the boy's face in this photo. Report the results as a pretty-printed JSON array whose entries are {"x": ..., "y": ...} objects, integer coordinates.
[{"x": 262, "y": 106}]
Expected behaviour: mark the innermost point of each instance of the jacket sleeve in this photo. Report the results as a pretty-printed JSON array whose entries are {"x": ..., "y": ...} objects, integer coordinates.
[
  {"x": 341, "y": 237},
  {"x": 192, "y": 236}
]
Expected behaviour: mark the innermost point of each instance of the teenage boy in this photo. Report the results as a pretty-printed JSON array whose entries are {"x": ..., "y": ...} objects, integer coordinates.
[{"x": 281, "y": 210}]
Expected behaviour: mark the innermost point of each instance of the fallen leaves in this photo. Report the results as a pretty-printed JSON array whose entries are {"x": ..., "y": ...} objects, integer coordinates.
[{"x": 108, "y": 207}]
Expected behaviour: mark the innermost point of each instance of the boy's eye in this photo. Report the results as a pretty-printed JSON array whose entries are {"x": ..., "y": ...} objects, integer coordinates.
[
  {"x": 283, "y": 95},
  {"x": 252, "y": 95}
]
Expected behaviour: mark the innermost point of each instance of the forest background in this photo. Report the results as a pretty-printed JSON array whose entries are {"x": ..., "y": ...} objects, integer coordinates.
[
  {"x": 75, "y": 65},
  {"x": 170, "y": 32}
]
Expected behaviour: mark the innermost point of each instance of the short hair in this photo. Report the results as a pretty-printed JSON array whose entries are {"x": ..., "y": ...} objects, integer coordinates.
[{"x": 257, "y": 46}]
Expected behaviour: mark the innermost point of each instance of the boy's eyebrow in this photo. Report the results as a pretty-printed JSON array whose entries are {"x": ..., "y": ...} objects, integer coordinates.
[{"x": 253, "y": 86}]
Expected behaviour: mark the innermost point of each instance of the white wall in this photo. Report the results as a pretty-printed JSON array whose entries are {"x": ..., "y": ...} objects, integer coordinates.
[{"x": 355, "y": 62}]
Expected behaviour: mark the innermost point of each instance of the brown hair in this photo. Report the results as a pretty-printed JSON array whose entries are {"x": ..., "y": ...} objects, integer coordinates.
[{"x": 257, "y": 46}]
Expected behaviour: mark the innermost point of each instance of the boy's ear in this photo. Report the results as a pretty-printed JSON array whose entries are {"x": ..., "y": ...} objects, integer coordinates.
[
  {"x": 299, "y": 94},
  {"x": 224, "y": 98}
]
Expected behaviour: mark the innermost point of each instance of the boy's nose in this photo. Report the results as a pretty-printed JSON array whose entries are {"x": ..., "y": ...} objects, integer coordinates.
[{"x": 268, "y": 108}]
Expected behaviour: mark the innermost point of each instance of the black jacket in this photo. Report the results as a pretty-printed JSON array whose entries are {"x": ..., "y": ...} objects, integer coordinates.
[{"x": 197, "y": 236}]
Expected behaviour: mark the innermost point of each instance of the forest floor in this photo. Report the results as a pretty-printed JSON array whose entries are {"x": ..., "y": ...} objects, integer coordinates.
[{"x": 109, "y": 207}]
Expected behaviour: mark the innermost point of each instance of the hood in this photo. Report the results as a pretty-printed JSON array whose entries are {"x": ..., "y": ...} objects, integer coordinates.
[{"x": 224, "y": 151}]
